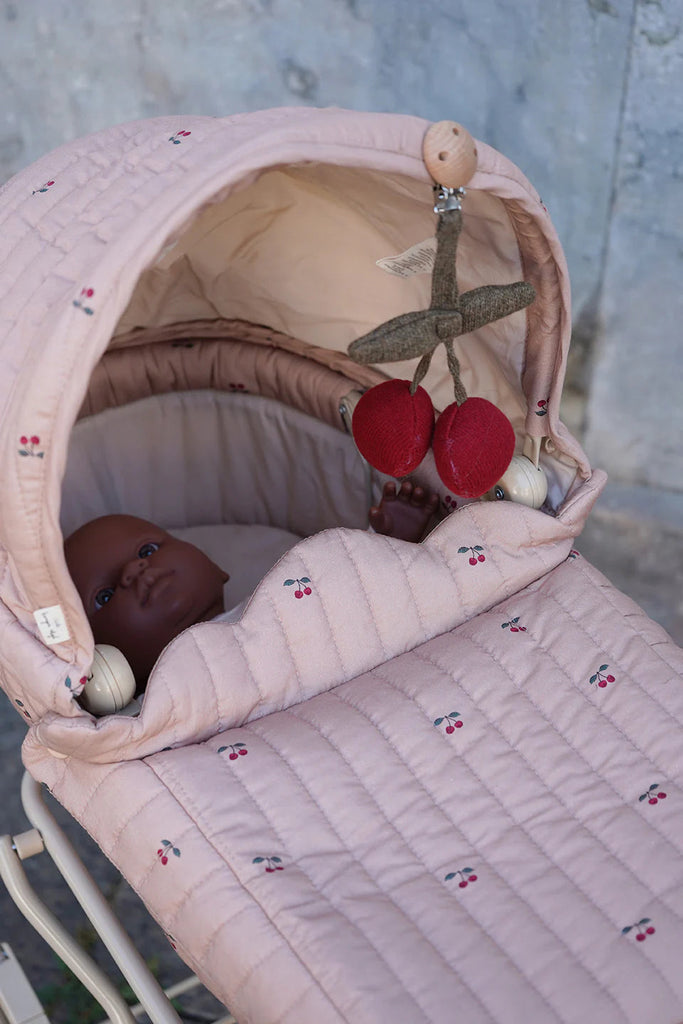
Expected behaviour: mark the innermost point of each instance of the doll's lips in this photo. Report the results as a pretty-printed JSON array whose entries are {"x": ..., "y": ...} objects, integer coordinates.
[{"x": 157, "y": 589}]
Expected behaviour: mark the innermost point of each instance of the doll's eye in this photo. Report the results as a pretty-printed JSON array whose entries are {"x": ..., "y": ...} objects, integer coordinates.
[
  {"x": 147, "y": 549},
  {"x": 103, "y": 596},
  {"x": 499, "y": 493}
]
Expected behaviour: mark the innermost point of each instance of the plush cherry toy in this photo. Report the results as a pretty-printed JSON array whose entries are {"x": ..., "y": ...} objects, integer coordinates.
[
  {"x": 473, "y": 440},
  {"x": 473, "y": 445},
  {"x": 393, "y": 429}
]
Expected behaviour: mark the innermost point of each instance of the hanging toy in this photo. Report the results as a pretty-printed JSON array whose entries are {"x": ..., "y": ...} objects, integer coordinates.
[{"x": 473, "y": 441}]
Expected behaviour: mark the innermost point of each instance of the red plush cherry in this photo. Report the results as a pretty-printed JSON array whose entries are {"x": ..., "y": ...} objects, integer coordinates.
[
  {"x": 393, "y": 429},
  {"x": 473, "y": 446}
]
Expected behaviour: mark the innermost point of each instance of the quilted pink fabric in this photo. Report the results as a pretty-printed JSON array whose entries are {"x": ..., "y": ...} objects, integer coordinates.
[{"x": 482, "y": 824}]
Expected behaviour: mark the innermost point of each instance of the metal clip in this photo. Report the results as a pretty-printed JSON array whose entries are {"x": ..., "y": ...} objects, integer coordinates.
[{"x": 447, "y": 198}]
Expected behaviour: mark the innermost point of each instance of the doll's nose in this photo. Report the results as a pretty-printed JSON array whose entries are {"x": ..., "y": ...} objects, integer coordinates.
[{"x": 132, "y": 571}]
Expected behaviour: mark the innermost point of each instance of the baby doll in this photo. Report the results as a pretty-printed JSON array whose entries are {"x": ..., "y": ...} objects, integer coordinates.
[{"x": 141, "y": 587}]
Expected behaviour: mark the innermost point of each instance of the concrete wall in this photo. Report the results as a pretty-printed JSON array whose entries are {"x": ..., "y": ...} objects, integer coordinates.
[{"x": 586, "y": 96}]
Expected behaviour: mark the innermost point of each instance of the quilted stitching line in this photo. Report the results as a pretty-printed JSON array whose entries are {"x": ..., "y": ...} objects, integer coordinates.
[
  {"x": 290, "y": 647},
  {"x": 333, "y": 638},
  {"x": 585, "y": 695},
  {"x": 200, "y": 652},
  {"x": 523, "y": 693},
  {"x": 624, "y": 675},
  {"x": 93, "y": 792},
  {"x": 334, "y": 694},
  {"x": 458, "y": 828},
  {"x": 608, "y": 594},
  {"x": 406, "y": 578},
  {"x": 355, "y": 927},
  {"x": 367, "y": 874},
  {"x": 534, "y": 842},
  {"x": 368, "y": 603},
  {"x": 195, "y": 820}
]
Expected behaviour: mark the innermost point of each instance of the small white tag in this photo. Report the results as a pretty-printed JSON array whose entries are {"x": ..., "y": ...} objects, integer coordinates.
[
  {"x": 52, "y": 624},
  {"x": 419, "y": 259}
]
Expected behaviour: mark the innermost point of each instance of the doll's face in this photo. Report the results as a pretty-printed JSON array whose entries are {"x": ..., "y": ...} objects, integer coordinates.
[{"x": 140, "y": 586}]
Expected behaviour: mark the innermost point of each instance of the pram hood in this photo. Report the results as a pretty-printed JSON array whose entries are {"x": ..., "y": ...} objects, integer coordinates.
[{"x": 124, "y": 230}]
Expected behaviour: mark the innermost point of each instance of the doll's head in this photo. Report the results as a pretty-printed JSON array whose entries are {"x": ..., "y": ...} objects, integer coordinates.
[{"x": 140, "y": 586}]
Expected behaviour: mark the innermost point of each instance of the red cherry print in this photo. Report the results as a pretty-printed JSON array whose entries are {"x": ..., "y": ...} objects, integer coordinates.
[
  {"x": 662, "y": 796},
  {"x": 83, "y": 680},
  {"x": 472, "y": 878},
  {"x": 279, "y": 868},
  {"x": 307, "y": 591},
  {"x": 603, "y": 683},
  {"x": 451, "y": 728},
  {"x": 269, "y": 870},
  {"x": 640, "y": 936},
  {"x": 473, "y": 561},
  {"x": 458, "y": 725},
  {"x": 541, "y": 403},
  {"x": 650, "y": 930},
  {"x": 610, "y": 679},
  {"x": 522, "y": 629},
  {"x": 652, "y": 800},
  {"x": 298, "y": 593},
  {"x": 243, "y": 751},
  {"x": 481, "y": 558},
  {"x": 23, "y": 440},
  {"x": 232, "y": 755},
  {"x": 463, "y": 884},
  {"x": 514, "y": 629},
  {"x": 35, "y": 440},
  {"x": 159, "y": 853},
  {"x": 48, "y": 183}
]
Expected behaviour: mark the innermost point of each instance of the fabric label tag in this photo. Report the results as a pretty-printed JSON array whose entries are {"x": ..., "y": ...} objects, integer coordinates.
[
  {"x": 52, "y": 624},
  {"x": 419, "y": 259}
]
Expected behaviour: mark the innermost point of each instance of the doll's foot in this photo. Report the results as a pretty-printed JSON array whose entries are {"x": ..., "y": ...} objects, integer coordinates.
[{"x": 404, "y": 514}]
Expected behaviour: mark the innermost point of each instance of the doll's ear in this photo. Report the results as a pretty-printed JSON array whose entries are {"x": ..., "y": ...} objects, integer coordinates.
[{"x": 111, "y": 683}]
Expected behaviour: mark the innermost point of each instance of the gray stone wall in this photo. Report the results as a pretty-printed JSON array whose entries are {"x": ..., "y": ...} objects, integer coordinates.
[{"x": 586, "y": 96}]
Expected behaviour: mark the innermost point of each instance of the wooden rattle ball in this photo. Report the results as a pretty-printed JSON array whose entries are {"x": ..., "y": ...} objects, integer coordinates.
[{"x": 449, "y": 153}]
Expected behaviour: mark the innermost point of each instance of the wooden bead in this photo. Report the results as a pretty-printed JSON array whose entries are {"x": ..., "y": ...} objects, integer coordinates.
[{"x": 450, "y": 154}]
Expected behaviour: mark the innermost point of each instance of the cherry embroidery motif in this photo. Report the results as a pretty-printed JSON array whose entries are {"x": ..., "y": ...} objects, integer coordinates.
[
  {"x": 476, "y": 554},
  {"x": 573, "y": 553},
  {"x": 29, "y": 446},
  {"x": 235, "y": 750},
  {"x": 600, "y": 677},
  {"x": 75, "y": 686},
  {"x": 542, "y": 407},
  {"x": 43, "y": 188},
  {"x": 22, "y": 707},
  {"x": 81, "y": 301},
  {"x": 640, "y": 934},
  {"x": 166, "y": 848},
  {"x": 453, "y": 721},
  {"x": 653, "y": 794},
  {"x": 178, "y": 137},
  {"x": 466, "y": 876},
  {"x": 302, "y": 586},
  {"x": 512, "y": 624},
  {"x": 272, "y": 863}
]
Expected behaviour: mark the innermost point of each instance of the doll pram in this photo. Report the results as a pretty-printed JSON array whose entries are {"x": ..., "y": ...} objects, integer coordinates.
[{"x": 453, "y": 801}]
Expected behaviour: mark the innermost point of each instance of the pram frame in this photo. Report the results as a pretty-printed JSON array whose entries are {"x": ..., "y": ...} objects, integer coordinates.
[{"x": 46, "y": 835}]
